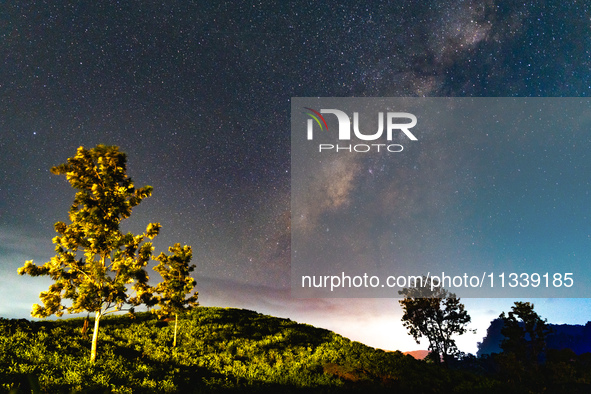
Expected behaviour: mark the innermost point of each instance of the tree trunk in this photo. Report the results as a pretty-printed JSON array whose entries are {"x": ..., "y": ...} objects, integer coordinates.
[
  {"x": 176, "y": 319},
  {"x": 95, "y": 337}
]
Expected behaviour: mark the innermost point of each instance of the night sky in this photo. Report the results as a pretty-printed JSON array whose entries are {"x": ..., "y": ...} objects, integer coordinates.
[
  {"x": 490, "y": 188},
  {"x": 198, "y": 95}
]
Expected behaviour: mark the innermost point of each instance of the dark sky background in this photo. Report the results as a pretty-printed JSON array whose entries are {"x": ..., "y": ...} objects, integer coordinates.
[{"x": 198, "y": 95}]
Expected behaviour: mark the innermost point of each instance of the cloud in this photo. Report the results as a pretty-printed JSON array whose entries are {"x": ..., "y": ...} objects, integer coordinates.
[{"x": 23, "y": 243}]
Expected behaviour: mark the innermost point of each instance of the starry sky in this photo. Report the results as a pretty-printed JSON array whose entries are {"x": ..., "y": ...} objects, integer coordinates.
[
  {"x": 492, "y": 188},
  {"x": 198, "y": 94}
]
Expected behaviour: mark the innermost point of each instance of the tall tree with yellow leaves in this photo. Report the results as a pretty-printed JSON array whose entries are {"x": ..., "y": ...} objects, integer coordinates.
[
  {"x": 97, "y": 267},
  {"x": 171, "y": 293}
]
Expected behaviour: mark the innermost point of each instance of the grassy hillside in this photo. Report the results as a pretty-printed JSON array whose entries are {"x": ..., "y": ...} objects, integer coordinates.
[{"x": 219, "y": 350}]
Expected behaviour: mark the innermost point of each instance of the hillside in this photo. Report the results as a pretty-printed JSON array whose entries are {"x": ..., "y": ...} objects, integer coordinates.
[{"x": 219, "y": 350}]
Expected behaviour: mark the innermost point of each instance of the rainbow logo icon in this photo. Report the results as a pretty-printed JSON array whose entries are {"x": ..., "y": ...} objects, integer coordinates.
[{"x": 315, "y": 115}]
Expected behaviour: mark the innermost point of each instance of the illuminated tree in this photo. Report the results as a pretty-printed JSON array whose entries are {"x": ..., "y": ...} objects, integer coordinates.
[
  {"x": 435, "y": 314},
  {"x": 176, "y": 285},
  {"x": 97, "y": 267}
]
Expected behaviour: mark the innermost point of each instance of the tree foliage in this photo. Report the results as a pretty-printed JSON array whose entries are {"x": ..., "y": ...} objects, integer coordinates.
[
  {"x": 524, "y": 332},
  {"x": 97, "y": 267},
  {"x": 436, "y": 314},
  {"x": 171, "y": 293}
]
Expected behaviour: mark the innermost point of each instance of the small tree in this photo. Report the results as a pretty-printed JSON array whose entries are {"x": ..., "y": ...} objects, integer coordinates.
[
  {"x": 99, "y": 268},
  {"x": 525, "y": 332},
  {"x": 177, "y": 283},
  {"x": 435, "y": 314}
]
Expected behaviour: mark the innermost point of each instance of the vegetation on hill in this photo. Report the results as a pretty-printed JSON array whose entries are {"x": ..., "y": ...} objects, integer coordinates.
[
  {"x": 234, "y": 350},
  {"x": 218, "y": 350}
]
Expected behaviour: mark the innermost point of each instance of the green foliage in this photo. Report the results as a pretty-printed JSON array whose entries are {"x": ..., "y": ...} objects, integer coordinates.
[
  {"x": 95, "y": 261},
  {"x": 435, "y": 314},
  {"x": 176, "y": 283},
  {"x": 232, "y": 350},
  {"x": 97, "y": 267},
  {"x": 222, "y": 350}
]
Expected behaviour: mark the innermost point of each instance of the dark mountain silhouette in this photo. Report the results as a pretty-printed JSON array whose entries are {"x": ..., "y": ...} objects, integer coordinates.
[{"x": 562, "y": 336}]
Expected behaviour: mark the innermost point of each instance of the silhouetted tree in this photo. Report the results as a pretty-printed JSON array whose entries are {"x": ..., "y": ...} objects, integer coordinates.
[
  {"x": 176, "y": 285},
  {"x": 524, "y": 331},
  {"x": 98, "y": 267},
  {"x": 435, "y": 314}
]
